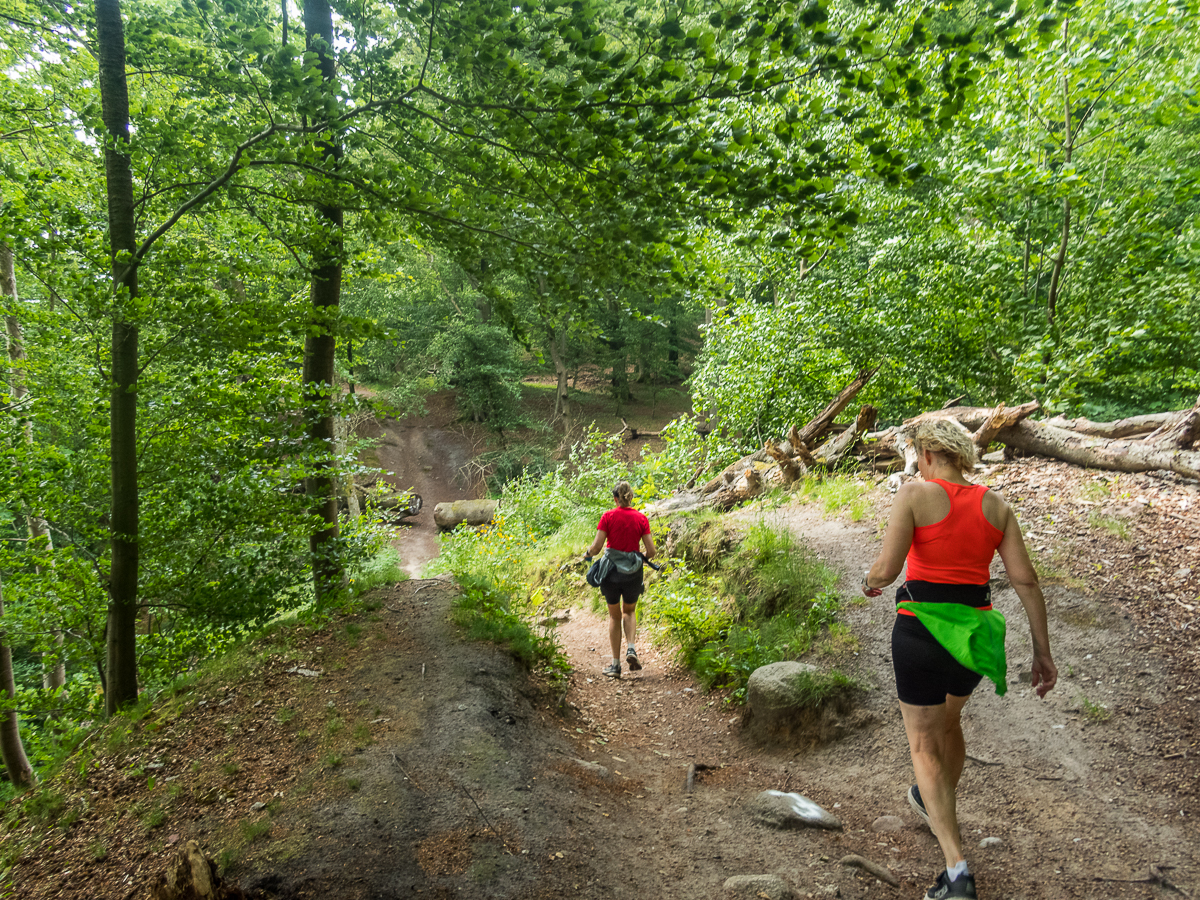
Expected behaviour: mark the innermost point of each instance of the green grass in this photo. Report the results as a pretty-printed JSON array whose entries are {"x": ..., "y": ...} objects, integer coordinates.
[
  {"x": 1094, "y": 712},
  {"x": 1117, "y": 527},
  {"x": 835, "y": 491},
  {"x": 770, "y": 573},
  {"x": 485, "y": 613},
  {"x": 385, "y": 567},
  {"x": 252, "y": 831}
]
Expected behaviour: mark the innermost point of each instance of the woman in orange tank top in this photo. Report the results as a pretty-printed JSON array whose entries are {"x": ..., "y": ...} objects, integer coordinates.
[{"x": 948, "y": 531}]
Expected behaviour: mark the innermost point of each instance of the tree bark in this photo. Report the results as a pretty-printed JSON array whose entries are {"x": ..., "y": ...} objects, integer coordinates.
[
  {"x": 53, "y": 676},
  {"x": 1134, "y": 426},
  {"x": 819, "y": 424},
  {"x": 121, "y": 681},
  {"x": 833, "y": 450},
  {"x": 321, "y": 343},
  {"x": 1181, "y": 431},
  {"x": 1002, "y": 417},
  {"x": 20, "y": 772},
  {"x": 1060, "y": 261},
  {"x": 1099, "y": 453}
]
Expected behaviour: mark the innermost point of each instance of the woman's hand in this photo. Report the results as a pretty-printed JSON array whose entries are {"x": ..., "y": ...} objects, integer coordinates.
[
  {"x": 1044, "y": 674},
  {"x": 866, "y": 586}
]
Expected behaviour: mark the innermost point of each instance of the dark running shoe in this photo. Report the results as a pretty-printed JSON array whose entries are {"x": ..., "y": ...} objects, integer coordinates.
[
  {"x": 631, "y": 659},
  {"x": 914, "y": 800},
  {"x": 612, "y": 670},
  {"x": 962, "y": 888}
]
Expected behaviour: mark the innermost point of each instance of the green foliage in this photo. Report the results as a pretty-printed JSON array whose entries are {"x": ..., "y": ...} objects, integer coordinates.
[
  {"x": 486, "y": 613},
  {"x": 770, "y": 573},
  {"x": 482, "y": 365}
]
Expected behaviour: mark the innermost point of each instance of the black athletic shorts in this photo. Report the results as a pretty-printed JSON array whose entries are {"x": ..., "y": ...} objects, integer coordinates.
[
  {"x": 925, "y": 670},
  {"x": 617, "y": 587}
]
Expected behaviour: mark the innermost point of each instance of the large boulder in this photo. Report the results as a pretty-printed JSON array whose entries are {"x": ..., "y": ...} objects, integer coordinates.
[
  {"x": 780, "y": 708},
  {"x": 463, "y": 512}
]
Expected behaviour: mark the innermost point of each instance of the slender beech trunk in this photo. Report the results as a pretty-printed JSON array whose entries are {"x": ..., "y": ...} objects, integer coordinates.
[
  {"x": 320, "y": 345},
  {"x": 20, "y": 772},
  {"x": 1060, "y": 261},
  {"x": 53, "y": 676},
  {"x": 121, "y": 684}
]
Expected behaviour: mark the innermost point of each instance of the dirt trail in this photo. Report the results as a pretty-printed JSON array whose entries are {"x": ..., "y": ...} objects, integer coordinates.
[{"x": 385, "y": 757}]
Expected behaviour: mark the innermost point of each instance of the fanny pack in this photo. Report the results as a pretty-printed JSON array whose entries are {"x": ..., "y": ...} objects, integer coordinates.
[{"x": 974, "y": 637}]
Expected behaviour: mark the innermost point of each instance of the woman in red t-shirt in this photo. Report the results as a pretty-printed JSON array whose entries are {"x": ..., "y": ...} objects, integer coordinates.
[
  {"x": 623, "y": 527},
  {"x": 948, "y": 530}
]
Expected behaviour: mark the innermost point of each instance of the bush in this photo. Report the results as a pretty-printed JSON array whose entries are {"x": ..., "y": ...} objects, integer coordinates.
[
  {"x": 771, "y": 574},
  {"x": 485, "y": 612}
]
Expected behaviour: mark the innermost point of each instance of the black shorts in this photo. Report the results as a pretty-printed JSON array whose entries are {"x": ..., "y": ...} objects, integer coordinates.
[
  {"x": 925, "y": 670},
  {"x": 620, "y": 588}
]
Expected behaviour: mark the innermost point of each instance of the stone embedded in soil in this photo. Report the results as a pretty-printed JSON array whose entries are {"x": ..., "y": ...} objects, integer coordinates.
[
  {"x": 991, "y": 842},
  {"x": 753, "y": 887},
  {"x": 592, "y": 768},
  {"x": 775, "y": 809},
  {"x": 887, "y": 824}
]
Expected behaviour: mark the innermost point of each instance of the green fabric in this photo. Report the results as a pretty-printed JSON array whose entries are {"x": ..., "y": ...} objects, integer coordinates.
[{"x": 974, "y": 637}]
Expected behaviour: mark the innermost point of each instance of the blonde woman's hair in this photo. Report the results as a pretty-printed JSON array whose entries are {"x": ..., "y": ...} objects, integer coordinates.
[
  {"x": 949, "y": 438},
  {"x": 623, "y": 493}
]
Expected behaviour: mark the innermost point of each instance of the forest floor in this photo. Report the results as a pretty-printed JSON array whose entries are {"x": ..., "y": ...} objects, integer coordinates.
[{"x": 383, "y": 757}]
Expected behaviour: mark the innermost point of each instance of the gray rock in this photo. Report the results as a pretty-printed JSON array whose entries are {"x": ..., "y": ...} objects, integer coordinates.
[
  {"x": 775, "y": 809},
  {"x": 592, "y": 768},
  {"x": 779, "y": 709},
  {"x": 991, "y": 842},
  {"x": 996, "y": 456},
  {"x": 754, "y": 887},
  {"x": 888, "y": 824}
]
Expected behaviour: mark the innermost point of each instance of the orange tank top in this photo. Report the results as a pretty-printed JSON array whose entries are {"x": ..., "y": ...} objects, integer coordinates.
[{"x": 959, "y": 548}]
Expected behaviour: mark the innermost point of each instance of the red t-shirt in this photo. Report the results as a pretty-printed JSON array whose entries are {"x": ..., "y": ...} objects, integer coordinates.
[{"x": 624, "y": 527}]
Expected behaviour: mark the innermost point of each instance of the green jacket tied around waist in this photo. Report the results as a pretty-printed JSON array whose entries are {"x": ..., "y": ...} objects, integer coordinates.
[{"x": 974, "y": 637}]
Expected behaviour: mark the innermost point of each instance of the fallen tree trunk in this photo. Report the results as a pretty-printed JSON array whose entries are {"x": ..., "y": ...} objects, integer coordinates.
[
  {"x": 832, "y": 451},
  {"x": 1181, "y": 432},
  {"x": 1134, "y": 426},
  {"x": 816, "y": 427},
  {"x": 463, "y": 512},
  {"x": 1099, "y": 453},
  {"x": 1002, "y": 417}
]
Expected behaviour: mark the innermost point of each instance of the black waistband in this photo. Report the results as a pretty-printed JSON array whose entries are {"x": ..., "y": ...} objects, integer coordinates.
[{"x": 976, "y": 595}]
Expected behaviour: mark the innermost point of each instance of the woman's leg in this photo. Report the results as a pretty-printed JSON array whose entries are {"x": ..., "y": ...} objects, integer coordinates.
[
  {"x": 935, "y": 740},
  {"x": 614, "y": 628},
  {"x": 629, "y": 621}
]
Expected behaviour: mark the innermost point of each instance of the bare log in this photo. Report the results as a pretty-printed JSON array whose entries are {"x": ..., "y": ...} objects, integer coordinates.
[
  {"x": 1099, "y": 453},
  {"x": 1002, "y": 417},
  {"x": 1134, "y": 426},
  {"x": 831, "y": 452},
  {"x": 459, "y": 512},
  {"x": 818, "y": 425},
  {"x": 1181, "y": 432},
  {"x": 789, "y": 469}
]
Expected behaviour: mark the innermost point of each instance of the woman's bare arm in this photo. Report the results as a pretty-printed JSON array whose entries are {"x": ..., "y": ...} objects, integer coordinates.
[
  {"x": 598, "y": 543},
  {"x": 648, "y": 545},
  {"x": 1024, "y": 579},
  {"x": 896, "y": 540}
]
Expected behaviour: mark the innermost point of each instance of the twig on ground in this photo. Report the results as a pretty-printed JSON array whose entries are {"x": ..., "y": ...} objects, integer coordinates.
[
  {"x": 690, "y": 784},
  {"x": 1156, "y": 877},
  {"x": 983, "y": 762},
  {"x": 883, "y": 873},
  {"x": 483, "y": 816},
  {"x": 412, "y": 780}
]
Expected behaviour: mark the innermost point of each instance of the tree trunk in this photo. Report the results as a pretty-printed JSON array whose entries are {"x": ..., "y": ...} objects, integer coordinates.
[
  {"x": 821, "y": 423},
  {"x": 1060, "y": 261},
  {"x": 20, "y": 772},
  {"x": 832, "y": 451},
  {"x": 1134, "y": 426},
  {"x": 321, "y": 343},
  {"x": 122, "y": 686},
  {"x": 1181, "y": 431},
  {"x": 53, "y": 676},
  {"x": 1099, "y": 453},
  {"x": 1002, "y": 417}
]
